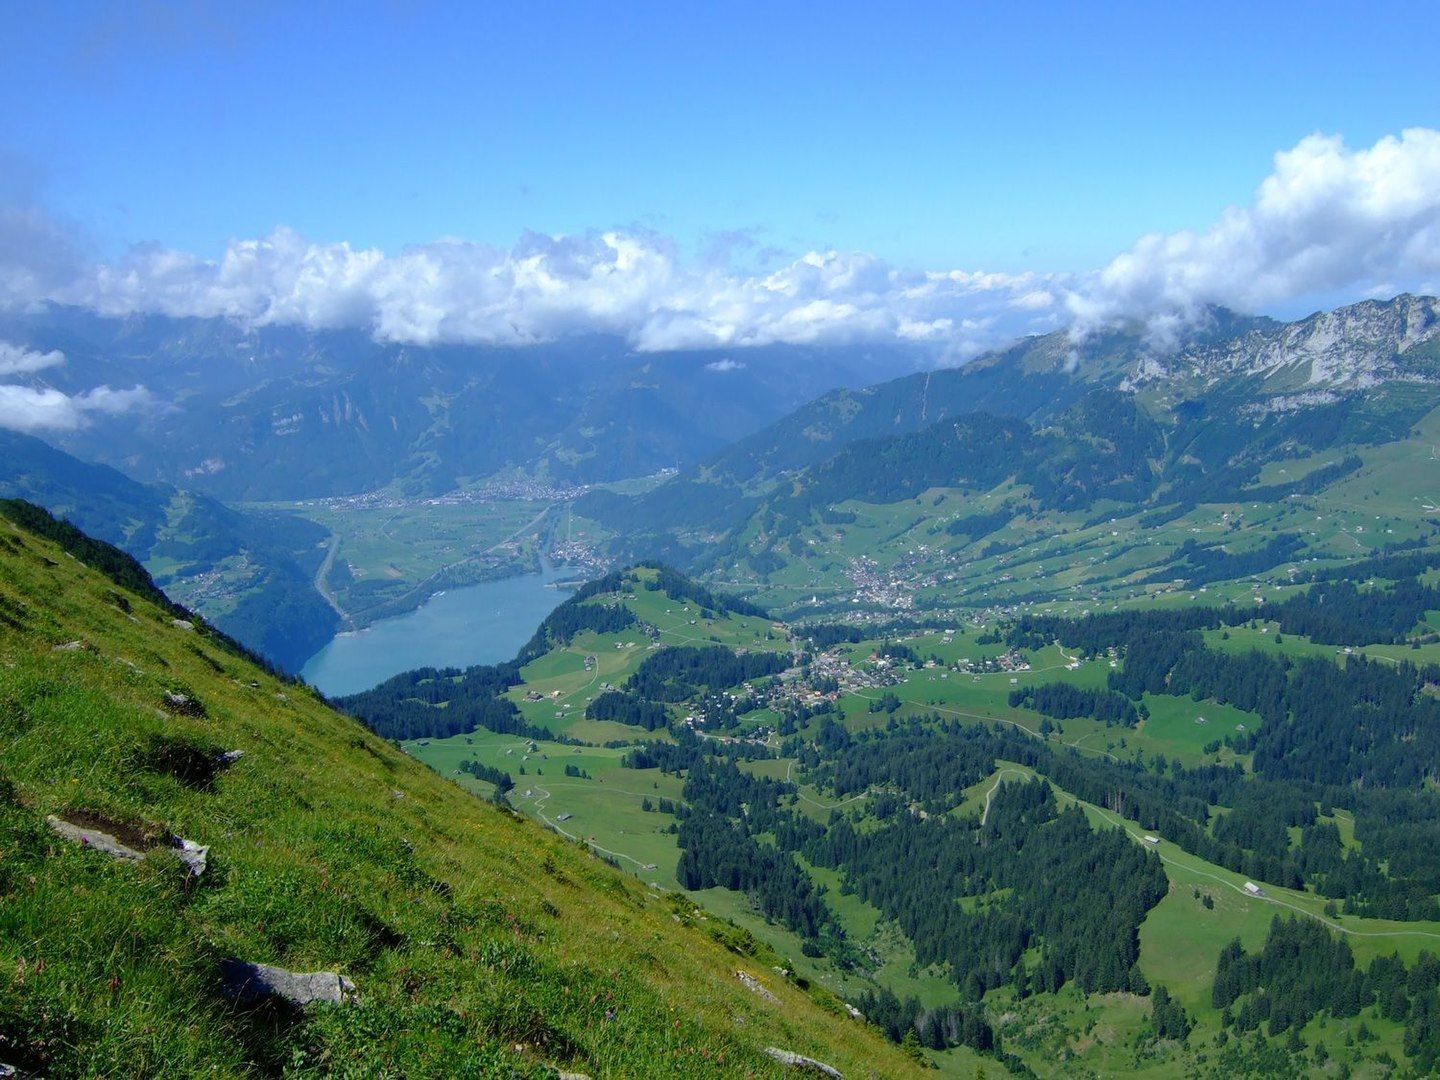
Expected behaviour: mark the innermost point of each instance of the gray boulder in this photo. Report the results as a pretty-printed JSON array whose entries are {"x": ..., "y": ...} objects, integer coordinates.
[
  {"x": 195, "y": 856},
  {"x": 250, "y": 984},
  {"x": 132, "y": 847},
  {"x": 755, "y": 986},
  {"x": 800, "y": 1061},
  {"x": 89, "y": 836}
]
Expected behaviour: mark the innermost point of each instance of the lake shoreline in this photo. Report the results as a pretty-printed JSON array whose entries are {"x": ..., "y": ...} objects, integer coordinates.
[{"x": 483, "y": 623}]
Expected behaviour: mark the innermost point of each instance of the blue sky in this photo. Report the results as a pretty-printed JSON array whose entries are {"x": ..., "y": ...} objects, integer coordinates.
[
  {"x": 948, "y": 176},
  {"x": 1001, "y": 136}
]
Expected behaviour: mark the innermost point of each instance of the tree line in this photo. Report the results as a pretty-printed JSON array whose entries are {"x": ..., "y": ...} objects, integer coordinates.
[
  {"x": 1303, "y": 970},
  {"x": 1065, "y": 701}
]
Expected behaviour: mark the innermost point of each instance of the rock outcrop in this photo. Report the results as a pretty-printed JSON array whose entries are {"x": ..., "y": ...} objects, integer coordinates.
[
  {"x": 95, "y": 837},
  {"x": 195, "y": 856},
  {"x": 120, "y": 842},
  {"x": 1352, "y": 347},
  {"x": 803, "y": 1063},
  {"x": 755, "y": 986},
  {"x": 250, "y": 984}
]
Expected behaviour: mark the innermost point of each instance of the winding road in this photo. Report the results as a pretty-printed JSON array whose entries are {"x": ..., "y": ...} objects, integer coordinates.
[
  {"x": 322, "y": 579},
  {"x": 823, "y": 806},
  {"x": 999, "y": 779},
  {"x": 542, "y": 795}
]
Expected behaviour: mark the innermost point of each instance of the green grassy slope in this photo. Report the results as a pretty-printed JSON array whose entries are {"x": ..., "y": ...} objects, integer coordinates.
[
  {"x": 250, "y": 573},
  {"x": 479, "y": 943}
]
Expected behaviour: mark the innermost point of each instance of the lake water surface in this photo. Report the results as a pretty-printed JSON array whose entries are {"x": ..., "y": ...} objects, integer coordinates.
[{"x": 477, "y": 624}]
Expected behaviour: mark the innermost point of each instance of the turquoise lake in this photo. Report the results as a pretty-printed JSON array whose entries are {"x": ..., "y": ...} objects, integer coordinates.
[{"x": 477, "y": 624}]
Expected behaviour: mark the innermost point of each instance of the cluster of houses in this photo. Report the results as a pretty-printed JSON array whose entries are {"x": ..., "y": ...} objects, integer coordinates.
[
  {"x": 879, "y": 588},
  {"x": 579, "y": 557},
  {"x": 1010, "y": 661}
]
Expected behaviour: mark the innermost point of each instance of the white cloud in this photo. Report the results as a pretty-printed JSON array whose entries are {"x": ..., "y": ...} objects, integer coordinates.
[
  {"x": 17, "y": 360},
  {"x": 43, "y": 408},
  {"x": 725, "y": 366},
  {"x": 634, "y": 284},
  {"x": 39, "y": 257},
  {"x": 1328, "y": 220},
  {"x": 25, "y": 409},
  {"x": 104, "y": 399},
  {"x": 31, "y": 409}
]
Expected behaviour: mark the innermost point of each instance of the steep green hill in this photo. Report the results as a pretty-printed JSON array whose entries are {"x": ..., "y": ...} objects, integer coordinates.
[
  {"x": 251, "y": 573},
  {"x": 474, "y": 942}
]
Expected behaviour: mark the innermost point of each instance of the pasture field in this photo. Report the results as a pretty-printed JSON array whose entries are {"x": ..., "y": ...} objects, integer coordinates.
[
  {"x": 390, "y": 556},
  {"x": 568, "y": 679},
  {"x": 602, "y": 807},
  {"x": 1171, "y": 730},
  {"x": 1266, "y": 637},
  {"x": 1175, "y": 728}
]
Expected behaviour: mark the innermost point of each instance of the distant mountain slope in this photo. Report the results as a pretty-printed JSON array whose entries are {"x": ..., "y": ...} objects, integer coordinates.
[
  {"x": 1099, "y": 448},
  {"x": 252, "y": 574},
  {"x": 1002, "y": 386},
  {"x": 1321, "y": 357},
  {"x": 470, "y": 942},
  {"x": 1239, "y": 393},
  {"x": 280, "y": 413}
]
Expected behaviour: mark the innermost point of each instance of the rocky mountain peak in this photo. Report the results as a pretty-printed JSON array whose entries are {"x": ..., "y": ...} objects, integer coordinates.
[{"x": 1351, "y": 347}]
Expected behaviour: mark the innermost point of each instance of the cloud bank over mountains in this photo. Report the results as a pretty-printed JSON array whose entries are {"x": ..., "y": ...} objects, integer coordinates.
[
  {"x": 635, "y": 284},
  {"x": 31, "y": 408},
  {"x": 1327, "y": 221},
  {"x": 17, "y": 360}
]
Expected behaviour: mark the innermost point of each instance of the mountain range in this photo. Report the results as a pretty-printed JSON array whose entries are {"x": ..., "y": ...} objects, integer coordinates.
[
  {"x": 1109, "y": 419},
  {"x": 252, "y": 573},
  {"x": 278, "y": 412}
]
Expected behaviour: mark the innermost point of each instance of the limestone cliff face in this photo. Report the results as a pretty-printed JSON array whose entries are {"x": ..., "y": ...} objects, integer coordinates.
[{"x": 1350, "y": 348}]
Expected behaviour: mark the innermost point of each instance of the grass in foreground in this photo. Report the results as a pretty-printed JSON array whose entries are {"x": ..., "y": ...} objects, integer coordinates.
[{"x": 479, "y": 943}]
